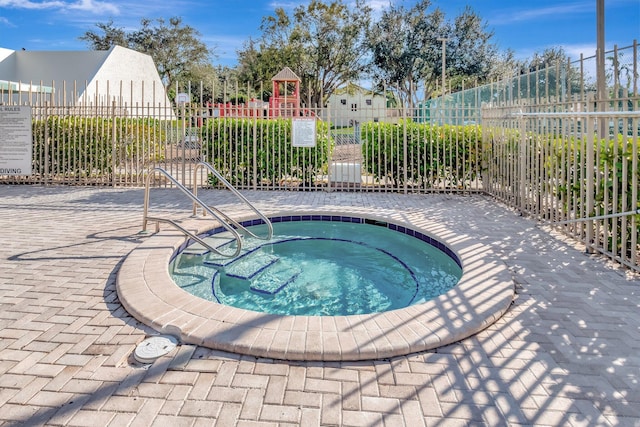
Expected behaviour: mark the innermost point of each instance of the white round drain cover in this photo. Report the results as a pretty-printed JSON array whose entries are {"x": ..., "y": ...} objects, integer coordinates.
[{"x": 152, "y": 348}]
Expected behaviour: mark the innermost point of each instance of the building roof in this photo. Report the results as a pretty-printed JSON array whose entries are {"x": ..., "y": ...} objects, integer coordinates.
[
  {"x": 94, "y": 77},
  {"x": 286, "y": 75},
  {"x": 48, "y": 66},
  {"x": 352, "y": 89}
]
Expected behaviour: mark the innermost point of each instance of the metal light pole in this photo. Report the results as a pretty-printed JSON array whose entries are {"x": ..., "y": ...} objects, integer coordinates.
[{"x": 444, "y": 62}]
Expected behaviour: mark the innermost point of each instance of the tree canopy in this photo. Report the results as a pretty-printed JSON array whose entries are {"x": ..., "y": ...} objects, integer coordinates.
[
  {"x": 323, "y": 43},
  {"x": 406, "y": 50},
  {"x": 175, "y": 48}
]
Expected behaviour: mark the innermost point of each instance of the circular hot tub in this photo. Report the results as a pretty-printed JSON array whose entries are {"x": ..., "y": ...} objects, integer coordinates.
[
  {"x": 480, "y": 293},
  {"x": 318, "y": 265}
]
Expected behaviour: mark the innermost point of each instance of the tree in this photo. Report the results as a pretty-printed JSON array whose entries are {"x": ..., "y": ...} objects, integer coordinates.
[
  {"x": 504, "y": 65},
  {"x": 548, "y": 57},
  {"x": 470, "y": 53},
  {"x": 549, "y": 74},
  {"x": 200, "y": 81},
  {"x": 323, "y": 43},
  {"x": 333, "y": 37},
  {"x": 111, "y": 36},
  {"x": 406, "y": 50},
  {"x": 175, "y": 48},
  {"x": 258, "y": 63}
]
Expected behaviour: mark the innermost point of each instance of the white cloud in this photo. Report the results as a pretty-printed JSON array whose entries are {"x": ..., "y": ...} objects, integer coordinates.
[
  {"x": 95, "y": 7},
  {"x": 573, "y": 51},
  {"x": 27, "y": 4},
  {"x": 532, "y": 14},
  {"x": 4, "y": 22},
  {"x": 284, "y": 4}
]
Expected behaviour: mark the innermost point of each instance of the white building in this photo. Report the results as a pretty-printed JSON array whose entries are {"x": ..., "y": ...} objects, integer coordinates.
[
  {"x": 352, "y": 105},
  {"x": 119, "y": 75}
]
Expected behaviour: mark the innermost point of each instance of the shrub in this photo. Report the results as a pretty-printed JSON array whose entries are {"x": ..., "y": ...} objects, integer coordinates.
[
  {"x": 232, "y": 145},
  {"x": 78, "y": 146},
  {"x": 437, "y": 156}
]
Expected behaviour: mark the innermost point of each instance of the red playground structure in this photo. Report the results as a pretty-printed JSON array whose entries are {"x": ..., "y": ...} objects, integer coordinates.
[{"x": 285, "y": 101}]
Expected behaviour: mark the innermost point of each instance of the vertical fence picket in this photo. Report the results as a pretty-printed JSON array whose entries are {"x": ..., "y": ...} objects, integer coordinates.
[
  {"x": 635, "y": 198},
  {"x": 589, "y": 169}
]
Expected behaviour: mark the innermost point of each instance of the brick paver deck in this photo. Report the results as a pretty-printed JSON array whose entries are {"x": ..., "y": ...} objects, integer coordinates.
[{"x": 566, "y": 353}]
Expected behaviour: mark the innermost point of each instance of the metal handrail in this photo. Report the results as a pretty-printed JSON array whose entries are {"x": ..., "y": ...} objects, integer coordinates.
[
  {"x": 238, "y": 194},
  {"x": 194, "y": 198}
]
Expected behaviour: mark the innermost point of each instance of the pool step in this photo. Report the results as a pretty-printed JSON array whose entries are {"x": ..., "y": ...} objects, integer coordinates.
[
  {"x": 267, "y": 277},
  {"x": 249, "y": 246},
  {"x": 218, "y": 241},
  {"x": 274, "y": 279},
  {"x": 247, "y": 267},
  {"x": 255, "y": 269}
]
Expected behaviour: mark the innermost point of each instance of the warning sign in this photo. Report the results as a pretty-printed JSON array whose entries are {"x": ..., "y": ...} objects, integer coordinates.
[{"x": 15, "y": 140}]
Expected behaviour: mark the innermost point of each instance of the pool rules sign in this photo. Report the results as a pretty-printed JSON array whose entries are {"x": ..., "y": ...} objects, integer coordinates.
[
  {"x": 15, "y": 140},
  {"x": 303, "y": 131}
]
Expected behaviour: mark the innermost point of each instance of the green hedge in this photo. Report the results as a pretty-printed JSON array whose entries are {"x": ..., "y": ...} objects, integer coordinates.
[
  {"x": 437, "y": 156},
  {"x": 84, "y": 146},
  {"x": 613, "y": 173},
  {"x": 233, "y": 144}
]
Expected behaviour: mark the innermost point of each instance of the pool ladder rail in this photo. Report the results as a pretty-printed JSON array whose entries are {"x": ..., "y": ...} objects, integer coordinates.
[{"x": 229, "y": 224}]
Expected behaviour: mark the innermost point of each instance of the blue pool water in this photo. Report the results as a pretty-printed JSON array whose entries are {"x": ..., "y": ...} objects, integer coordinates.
[{"x": 339, "y": 266}]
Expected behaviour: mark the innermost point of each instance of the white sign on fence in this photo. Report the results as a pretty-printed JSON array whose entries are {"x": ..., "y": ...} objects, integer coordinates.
[
  {"x": 182, "y": 98},
  {"x": 15, "y": 140},
  {"x": 303, "y": 131}
]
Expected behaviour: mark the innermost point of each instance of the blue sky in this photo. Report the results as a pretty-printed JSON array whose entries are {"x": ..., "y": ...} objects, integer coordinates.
[{"x": 523, "y": 26}]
